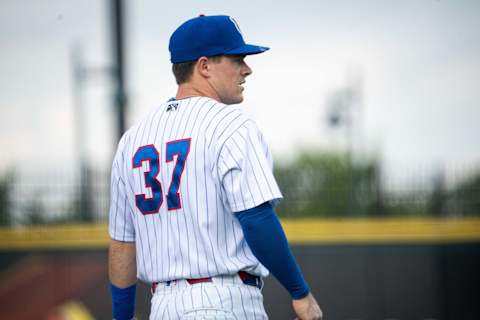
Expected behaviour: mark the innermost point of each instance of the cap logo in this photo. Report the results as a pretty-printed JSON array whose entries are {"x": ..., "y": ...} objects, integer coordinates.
[{"x": 236, "y": 25}]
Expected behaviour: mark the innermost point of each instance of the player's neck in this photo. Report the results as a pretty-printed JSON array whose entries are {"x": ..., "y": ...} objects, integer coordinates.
[{"x": 187, "y": 90}]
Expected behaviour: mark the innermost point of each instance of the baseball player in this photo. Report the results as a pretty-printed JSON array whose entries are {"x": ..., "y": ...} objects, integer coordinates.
[{"x": 192, "y": 193}]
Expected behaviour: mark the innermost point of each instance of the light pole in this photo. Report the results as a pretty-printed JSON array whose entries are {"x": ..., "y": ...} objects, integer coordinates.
[
  {"x": 81, "y": 75},
  {"x": 343, "y": 106},
  {"x": 118, "y": 55},
  {"x": 83, "y": 183}
]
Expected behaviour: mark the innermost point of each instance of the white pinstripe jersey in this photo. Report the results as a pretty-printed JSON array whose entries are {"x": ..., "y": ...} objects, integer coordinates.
[{"x": 177, "y": 178}]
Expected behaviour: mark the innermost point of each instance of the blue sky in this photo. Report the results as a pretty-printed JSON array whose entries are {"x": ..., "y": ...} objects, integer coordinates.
[{"x": 418, "y": 61}]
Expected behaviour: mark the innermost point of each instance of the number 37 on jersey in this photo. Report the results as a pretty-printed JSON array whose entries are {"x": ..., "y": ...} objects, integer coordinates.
[{"x": 151, "y": 204}]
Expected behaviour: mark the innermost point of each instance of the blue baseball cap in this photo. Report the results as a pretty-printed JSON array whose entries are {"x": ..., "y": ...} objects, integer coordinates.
[{"x": 207, "y": 36}]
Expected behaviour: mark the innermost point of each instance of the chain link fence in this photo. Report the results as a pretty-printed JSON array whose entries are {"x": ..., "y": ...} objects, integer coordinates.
[{"x": 313, "y": 187}]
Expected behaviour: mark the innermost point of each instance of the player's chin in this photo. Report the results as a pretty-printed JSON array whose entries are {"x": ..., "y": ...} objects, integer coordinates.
[
  {"x": 238, "y": 98},
  {"x": 240, "y": 95}
]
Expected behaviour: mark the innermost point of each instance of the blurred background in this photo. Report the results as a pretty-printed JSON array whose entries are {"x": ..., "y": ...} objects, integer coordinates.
[{"x": 371, "y": 110}]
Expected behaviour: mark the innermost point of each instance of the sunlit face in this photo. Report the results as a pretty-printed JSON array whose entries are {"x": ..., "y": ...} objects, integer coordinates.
[{"x": 227, "y": 78}]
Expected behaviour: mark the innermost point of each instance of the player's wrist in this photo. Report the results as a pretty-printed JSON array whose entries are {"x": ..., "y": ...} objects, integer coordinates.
[
  {"x": 300, "y": 295},
  {"x": 123, "y": 302}
]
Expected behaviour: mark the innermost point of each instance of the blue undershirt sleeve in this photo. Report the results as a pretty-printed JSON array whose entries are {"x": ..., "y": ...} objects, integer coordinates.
[{"x": 266, "y": 238}]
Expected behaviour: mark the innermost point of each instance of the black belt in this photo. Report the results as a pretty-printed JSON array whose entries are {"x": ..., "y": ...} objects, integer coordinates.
[{"x": 247, "y": 278}]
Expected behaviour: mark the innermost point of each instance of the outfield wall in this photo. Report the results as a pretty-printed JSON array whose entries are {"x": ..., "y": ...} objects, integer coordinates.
[{"x": 358, "y": 269}]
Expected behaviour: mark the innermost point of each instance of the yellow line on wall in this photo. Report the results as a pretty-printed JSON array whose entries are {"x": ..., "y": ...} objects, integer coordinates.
[
  {"x": 55, "y": 237},
  {"x": 299, "y": 231},
  {"x": 405, "y": 230}
]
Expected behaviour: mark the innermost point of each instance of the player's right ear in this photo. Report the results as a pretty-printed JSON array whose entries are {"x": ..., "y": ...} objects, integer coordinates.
[{"x": 203, "y": 67}]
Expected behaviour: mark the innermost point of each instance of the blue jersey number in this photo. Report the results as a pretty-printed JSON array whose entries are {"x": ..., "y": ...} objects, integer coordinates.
[{"x": 152, "y": 204}]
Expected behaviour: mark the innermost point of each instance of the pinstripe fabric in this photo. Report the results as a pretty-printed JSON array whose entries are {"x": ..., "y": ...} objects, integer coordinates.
[
  {"x": 226, "y": 297},
  {"x": 227, "y": 168}
]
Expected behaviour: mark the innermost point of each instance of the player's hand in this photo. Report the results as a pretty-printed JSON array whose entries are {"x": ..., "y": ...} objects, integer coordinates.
[{"x": 307, "y": 308}]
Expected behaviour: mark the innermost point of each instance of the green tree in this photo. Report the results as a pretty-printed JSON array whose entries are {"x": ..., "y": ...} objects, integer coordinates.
[
  {"x": 5, "y": 199},
  {"x": 34, "y": 212},
  {"x": 325, "y": 184},
  {"x": 464, "y": 200}
]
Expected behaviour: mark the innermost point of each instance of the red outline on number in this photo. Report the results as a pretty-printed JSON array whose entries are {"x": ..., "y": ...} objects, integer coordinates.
[
  {"x": 181, "y": 172},
  {"x": 144, "y": 174}
]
